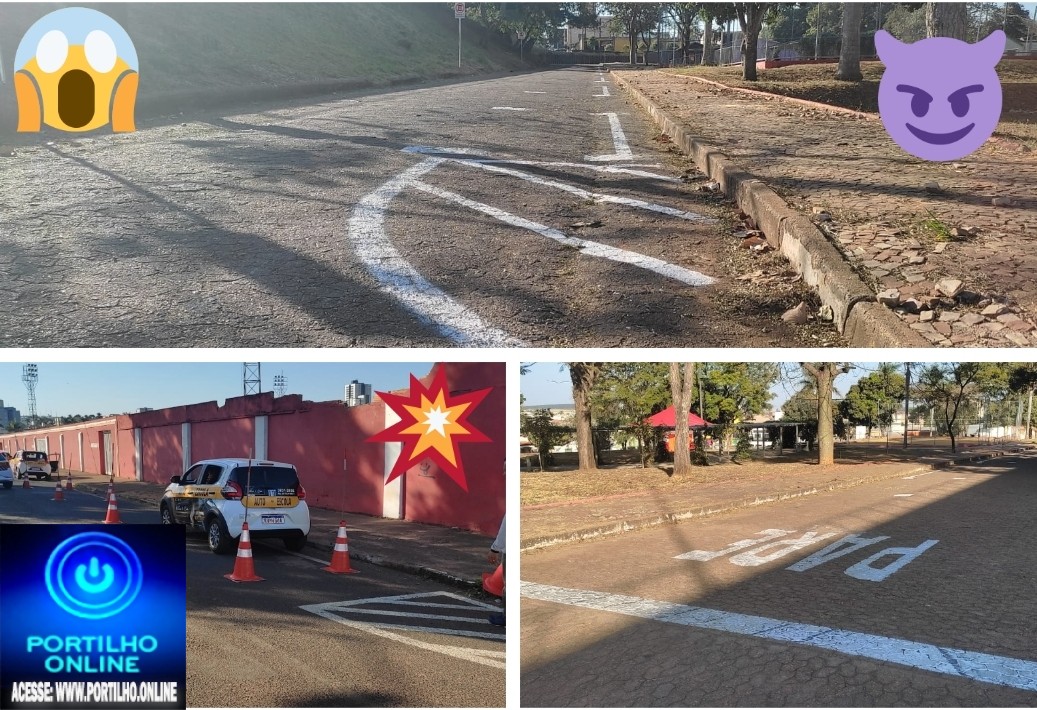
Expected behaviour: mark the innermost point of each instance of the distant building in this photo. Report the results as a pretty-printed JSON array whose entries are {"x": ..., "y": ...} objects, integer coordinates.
[
  {"x": 358, "y": 393},
  {"x": 8, "y": 415}
]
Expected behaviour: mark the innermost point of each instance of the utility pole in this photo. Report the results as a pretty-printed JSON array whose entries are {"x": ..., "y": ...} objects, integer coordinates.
[
  {"x": 817, "y": 33},
  {"x": 907, "y": 398}
]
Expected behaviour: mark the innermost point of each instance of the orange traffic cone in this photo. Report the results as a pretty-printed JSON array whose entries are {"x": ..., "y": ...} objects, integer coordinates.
[
  {"x": 59, "y": 494},
  {"x": 113, "y": 509},
  {"x": 25, "y": 483},
  {"x": 244, "y": 569},
  {"x": 494, "y": 583},
  {"x": 340, "y": 555},
  {"x": 69, "y": 484}
]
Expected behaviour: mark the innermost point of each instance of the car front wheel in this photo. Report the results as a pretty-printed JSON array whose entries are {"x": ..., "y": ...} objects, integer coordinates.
[
  {"x": 220, "y": 540},
  {"x": 167, "y": 515},
  {"x": 8, "y": 484}
]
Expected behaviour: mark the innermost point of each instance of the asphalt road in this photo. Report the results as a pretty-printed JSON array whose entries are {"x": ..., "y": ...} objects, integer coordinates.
[
  {"x": 539, "y": 209},
  {"x": 929, "y": 603},
  {"x": 306, "y": 638}
]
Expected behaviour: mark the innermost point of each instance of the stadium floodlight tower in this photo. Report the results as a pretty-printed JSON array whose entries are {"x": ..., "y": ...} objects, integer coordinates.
[
  {"x": 279, "y": 385},
  {"x": 251, "y": 380},
  {"x": 30, "y": 376}
]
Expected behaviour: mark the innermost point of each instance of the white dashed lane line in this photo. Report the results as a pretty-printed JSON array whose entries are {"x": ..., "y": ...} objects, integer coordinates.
[{"x": 982, "y": 667}]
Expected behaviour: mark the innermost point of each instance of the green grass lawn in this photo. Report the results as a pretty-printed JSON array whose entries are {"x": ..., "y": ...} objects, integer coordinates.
[{"x": 817, "y": 83}]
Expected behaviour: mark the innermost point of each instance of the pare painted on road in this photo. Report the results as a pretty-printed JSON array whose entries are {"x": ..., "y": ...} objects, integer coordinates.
[{"x": 773, "y": 544}]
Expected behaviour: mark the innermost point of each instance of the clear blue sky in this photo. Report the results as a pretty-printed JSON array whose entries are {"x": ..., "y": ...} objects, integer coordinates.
[
  {"x": 548, "y": 383},
  {"x": 115, "y": 388}
]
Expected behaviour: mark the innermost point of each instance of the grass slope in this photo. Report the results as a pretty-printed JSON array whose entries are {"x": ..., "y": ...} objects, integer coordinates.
[{"x": 209, "y": 46}]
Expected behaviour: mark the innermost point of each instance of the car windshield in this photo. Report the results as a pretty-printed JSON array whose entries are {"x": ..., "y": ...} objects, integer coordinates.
[{"x": 267, "y": 480}]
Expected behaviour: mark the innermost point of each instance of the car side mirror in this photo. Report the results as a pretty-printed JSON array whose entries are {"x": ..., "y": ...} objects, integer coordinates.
[{"x": 174, "y": 479}]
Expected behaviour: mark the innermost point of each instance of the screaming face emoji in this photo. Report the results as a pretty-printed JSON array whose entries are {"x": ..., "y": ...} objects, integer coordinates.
[
  {"x": 940, "y": 98},
  {"x": 76, "y": 70}
]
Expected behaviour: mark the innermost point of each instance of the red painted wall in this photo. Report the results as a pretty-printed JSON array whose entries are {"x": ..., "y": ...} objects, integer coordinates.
[
  {"x": 315, "y": 436},
  {"x": 434, "y": 497}
]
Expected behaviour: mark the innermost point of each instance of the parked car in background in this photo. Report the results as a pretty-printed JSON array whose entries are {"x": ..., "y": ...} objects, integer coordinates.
[
  {"x": 31, "y": 463},
  {"x": 6, "y": 474},
  {"x": 215, "y": 495}
]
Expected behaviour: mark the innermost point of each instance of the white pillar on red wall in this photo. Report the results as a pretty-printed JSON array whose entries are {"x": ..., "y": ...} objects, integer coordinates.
[
  {"x": 262, "y": 428},
  {"x": 61, "y": 450},
  {"x": 138, "y": 454},
  {"x": 185, "y": 445},
  {"x": 82, "y": 466},
  {"x": 392, "y": 494}
]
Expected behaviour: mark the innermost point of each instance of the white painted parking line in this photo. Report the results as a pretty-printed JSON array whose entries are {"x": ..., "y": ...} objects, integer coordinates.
[
  {"x": 982, "y": 667},
  {"x": 588, "y": 195},
  {"x": 398, "y": 278},
  {"x": 619, "y": 140},
  {"x": 534, "y": 92},
  {"x": 340, "y": 612},
  {"x": 509, "y": 108},
  {"x": 604, "y": 93},
  {"x": 663, "y": 268},
  {"x": 902, "y": 495}
]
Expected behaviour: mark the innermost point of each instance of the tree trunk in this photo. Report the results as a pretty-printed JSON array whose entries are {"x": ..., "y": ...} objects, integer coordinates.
[
  {"x": 583, "y": 375},
  {"x": 824, "y": 374},
  {"x": 707, "y": 43},
  {"x": 633, "y": 49},
  {"x": 750, "y": 18},
  {"x": 850, "y": 52},
  {"x": 946, "y": 19},
  {"x": 681, "y": 382}
]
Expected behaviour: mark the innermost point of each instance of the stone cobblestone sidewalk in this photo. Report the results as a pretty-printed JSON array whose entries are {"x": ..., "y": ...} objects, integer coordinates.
[{"x": 944, "y": 245}]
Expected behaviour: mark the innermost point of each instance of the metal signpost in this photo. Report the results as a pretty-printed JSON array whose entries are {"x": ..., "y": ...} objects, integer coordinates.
[{"x": 459, "y": 14}]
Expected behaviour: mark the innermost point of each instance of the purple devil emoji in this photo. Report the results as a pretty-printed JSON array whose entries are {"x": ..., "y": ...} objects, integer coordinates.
[{"x": 940, "y": 98}]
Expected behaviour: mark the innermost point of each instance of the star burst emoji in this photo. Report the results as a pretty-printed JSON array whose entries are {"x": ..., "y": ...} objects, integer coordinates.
[{"x": 432, "y": 425}]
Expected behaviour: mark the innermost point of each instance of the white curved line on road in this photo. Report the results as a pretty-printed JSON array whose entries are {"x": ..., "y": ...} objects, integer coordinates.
[
  {"x": 399, "y": 279},
  {"x": 663, "y": 268},
  {"x": 983, "y": 667},
  {"x": 508, "y": 108},
  {"x": 587, "y": 194}
]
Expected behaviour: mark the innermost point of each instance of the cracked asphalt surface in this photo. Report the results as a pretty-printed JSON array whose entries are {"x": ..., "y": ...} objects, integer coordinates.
[
  {"x": 244, "y": 230},
  {"x": 970, "y": 591}
]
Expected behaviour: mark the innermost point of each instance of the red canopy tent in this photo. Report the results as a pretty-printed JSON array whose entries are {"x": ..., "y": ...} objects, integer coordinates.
[{"x": 668, "y": 418}]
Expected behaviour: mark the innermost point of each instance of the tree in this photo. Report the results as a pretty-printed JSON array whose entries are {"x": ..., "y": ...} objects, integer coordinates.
[
  {"x": 906, "y": 24},
  {"x": 871, "y": 401},
  {"x": 823, "y": 375},
  {"x": 1023, "y": 378},
  {"x": 634, "y": 20},
  {"x": 684, "y": 16},
  {"x": 540, "y": 429},
  {"x": 682, "y": 380},
  {"x": 801, "y": 408},
  {"x": 1010, "y": 17},
  {"x": 850, "y": 51},
  {"x": 947, "y": 19},
  {"x": 583, "y": 375},
  {"x": 629, "y": 393},
  {"x": 750, "y": 18},
  {"x": 951, "y": 389},
  {"x": 734, "y": 392},
  {"x": 718, "y": 13},
  {"x": 534, "y": 21}
]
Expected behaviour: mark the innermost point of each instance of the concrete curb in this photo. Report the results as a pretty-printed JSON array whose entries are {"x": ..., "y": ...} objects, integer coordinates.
[
  {"x": 591, "y": 533},
  {"x": 821, "y": 265}
]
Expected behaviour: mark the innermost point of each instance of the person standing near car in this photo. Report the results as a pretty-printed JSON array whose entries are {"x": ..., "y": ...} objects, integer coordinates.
[{"x": 497, "y": 556}]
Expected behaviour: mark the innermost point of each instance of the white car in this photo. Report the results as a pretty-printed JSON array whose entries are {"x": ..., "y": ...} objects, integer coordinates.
[
  {"x": 31, "y": 463},
  {"x": 6, "y": 475},
  {"x": 212, "y": 497}
]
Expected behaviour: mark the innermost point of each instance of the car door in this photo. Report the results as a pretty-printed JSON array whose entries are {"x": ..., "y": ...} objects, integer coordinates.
[
  {"x": 182, "y": 501},
  {"x": 204, "y": 492}
]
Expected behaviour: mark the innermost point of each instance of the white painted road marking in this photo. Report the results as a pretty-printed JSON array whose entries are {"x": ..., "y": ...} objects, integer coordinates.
[
  {"x": 619, "y": 140},
  {"x": 534, "y": 92},
  {"x": 982, "y": 667},
  {"x": 508, "y": 108},
  {"x": 663, "y": 268},
  {"x": 338, "y": 611},
  {"x": 588, "y": 195},
  {"x": 398, "y": 278},
  {"x": 604, "y": 93},
  {"x": 902, "y": 495}
]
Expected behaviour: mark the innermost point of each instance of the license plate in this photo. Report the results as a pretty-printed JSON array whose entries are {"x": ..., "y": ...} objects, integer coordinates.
[
  {"x": 273, "y": 501},
  {"x": 273, "y": 519}
]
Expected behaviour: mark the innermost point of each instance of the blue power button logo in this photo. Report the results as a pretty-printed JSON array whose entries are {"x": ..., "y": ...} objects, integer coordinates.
[{"x": 93, "y": 575}]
